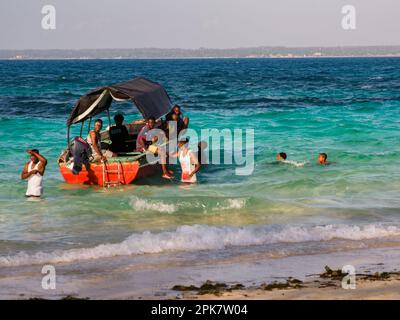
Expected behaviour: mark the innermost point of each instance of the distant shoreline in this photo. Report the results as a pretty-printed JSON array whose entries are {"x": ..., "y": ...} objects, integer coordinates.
[
  {"x": 201, "y": 58},
  {"x": 202, "y": 53}
]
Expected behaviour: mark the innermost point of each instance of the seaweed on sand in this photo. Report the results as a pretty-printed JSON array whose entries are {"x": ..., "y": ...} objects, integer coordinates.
[
  {"x": 291, "y": 283},
  {"x": 332, "y": 274},
  {"x": 209, "y": 287}
]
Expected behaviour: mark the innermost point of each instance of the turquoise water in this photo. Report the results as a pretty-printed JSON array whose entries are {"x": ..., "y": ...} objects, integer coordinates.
[{"x": 348, "y": 108}]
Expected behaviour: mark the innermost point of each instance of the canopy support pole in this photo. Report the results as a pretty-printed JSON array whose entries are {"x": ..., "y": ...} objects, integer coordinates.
[
  {"x": 68, "y": 133},
  {"x": 109, "y": 118},
  {"x": 80, "y": 134}
]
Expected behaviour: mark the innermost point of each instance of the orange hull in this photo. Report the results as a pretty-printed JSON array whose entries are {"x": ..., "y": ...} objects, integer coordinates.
[{"x": 99, "y": 175}]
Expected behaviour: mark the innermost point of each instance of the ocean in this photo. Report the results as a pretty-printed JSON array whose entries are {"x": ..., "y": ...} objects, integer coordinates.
[{"x": 346, "y": 107}]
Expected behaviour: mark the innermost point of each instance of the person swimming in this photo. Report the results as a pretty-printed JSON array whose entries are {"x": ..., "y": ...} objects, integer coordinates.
[
  {"x": 323, "y": 159},
  {"x": 281, "y": 156}
]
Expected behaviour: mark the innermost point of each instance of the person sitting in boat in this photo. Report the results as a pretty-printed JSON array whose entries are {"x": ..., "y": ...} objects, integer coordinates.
[
  {"x": 119, "y": 135},
  {"x": 94, "y": 140},
  {"x": 170, "y": 127},
  {"x": 33, "y": 172},
  {"x": 145, "y": 139},
  {"x": 182, "y": 122}
]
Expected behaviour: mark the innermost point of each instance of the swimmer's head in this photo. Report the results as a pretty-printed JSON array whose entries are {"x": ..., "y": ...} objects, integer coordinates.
[
  {"x": 322, "y": 157},
  {"x": 281, "y": 156}
]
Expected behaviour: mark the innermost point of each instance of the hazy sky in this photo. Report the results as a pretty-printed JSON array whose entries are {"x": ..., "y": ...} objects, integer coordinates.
[{"x": 196, "y": 23}]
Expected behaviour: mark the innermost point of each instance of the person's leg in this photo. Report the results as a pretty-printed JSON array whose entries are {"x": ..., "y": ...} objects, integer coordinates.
[
  {"x": 167, "y": 174},
  {"x": 165, "y": 171}
]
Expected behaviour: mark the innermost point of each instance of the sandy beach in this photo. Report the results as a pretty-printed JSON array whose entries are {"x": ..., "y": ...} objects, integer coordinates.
[
  {"x": 241, "y": 276},
  {"x": 367, "y": 288}
]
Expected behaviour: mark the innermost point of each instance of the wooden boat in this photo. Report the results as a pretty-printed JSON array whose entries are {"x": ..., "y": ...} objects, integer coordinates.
[
  {"x": 113, "y": 172},
  {"x": 151, "y": 100}
]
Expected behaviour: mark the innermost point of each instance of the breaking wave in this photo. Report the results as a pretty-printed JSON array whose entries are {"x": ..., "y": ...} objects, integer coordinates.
[
  {"x": 164, "y": 207},
  {"x": 204, "y": 237},
  {"x": 237, "y": 203},
  {"x": 148, "y": 205}
]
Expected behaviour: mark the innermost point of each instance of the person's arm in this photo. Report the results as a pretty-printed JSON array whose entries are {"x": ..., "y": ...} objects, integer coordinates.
[
  {"x": 185, "y": 122},
  {"x": 95, "y": 145},
  {"x": 140, "y": 140},
  {"x": 197, "y": 164},
  {"x": 25, "y": 174},
  {"x": 174, "y": 154},
  {"x": 42, "y": 159},
  {"x": 140, "y": 121}
]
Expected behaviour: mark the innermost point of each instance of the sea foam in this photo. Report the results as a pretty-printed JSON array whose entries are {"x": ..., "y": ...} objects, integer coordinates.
[
  {"x": 204, "y": 237},
  {"x": 148, "y": 205},
  {"x": 144, "y": 205},
  {"x": 295, "y": 163}
]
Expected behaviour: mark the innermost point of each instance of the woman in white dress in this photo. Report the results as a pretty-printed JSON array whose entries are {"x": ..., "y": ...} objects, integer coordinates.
[{"x": 33, "y": 172}]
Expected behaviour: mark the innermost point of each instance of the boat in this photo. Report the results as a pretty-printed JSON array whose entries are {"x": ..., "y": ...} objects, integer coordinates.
[{"x": 150, "y": 98}]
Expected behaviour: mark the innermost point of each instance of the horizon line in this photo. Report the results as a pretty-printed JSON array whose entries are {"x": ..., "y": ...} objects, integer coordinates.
[{"x": 207, "y": 48}]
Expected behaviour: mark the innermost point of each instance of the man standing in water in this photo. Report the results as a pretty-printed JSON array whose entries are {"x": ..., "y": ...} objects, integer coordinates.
[{"x": 33, "y": 172}]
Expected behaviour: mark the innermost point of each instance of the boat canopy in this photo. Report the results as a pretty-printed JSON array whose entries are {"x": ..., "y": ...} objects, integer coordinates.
[{"x": 150, "y": 98}]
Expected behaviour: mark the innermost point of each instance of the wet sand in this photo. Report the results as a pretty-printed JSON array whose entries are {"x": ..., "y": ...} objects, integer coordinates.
[{"x": 242, "y": 277}]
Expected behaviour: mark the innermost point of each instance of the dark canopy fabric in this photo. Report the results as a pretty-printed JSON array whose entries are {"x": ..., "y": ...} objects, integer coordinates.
[{"x": 149, "y": 97}]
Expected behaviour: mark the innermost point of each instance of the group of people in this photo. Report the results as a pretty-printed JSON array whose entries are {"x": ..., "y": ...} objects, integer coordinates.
[
  {"x": 145, "y": 141},
  {"x": 122, "y": 142},
  {"x": 322, "y": 158}
]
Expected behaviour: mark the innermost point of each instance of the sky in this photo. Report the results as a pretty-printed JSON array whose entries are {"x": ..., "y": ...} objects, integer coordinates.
[{"x": 191, "y": 24}]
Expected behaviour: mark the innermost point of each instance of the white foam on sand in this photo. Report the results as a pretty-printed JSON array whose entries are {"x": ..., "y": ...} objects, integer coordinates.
[{"x": 204, "y": 237}]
